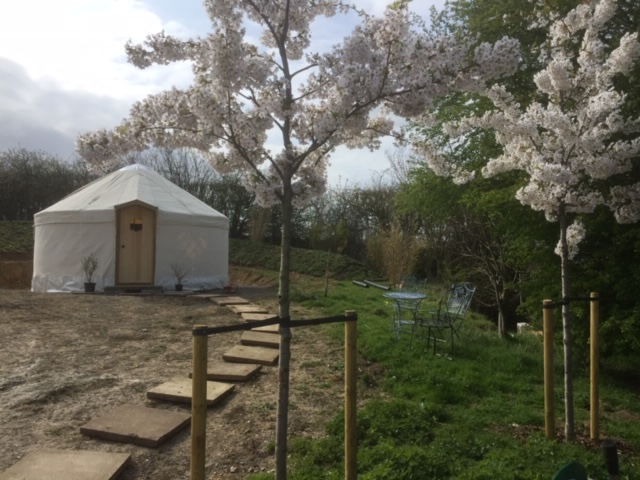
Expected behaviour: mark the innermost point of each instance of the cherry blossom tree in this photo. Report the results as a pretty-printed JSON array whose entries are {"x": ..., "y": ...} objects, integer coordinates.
[
  {"x": 573, "y": 142},
  {"x": 245, "y": 93}
]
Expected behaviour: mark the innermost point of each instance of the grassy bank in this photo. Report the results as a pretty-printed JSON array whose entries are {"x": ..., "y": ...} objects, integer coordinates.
[
  {"x": 306, "y": 262},
  {"x": 474, "y": 413},
  {"x": 16, "y": 237}
]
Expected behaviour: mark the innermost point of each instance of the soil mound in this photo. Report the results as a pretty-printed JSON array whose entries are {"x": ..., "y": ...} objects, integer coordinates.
[{"x": 16, "y": 270}]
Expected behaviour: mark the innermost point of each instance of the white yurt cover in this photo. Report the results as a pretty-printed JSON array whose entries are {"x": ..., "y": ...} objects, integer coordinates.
[{"x": 188, "y": 232}]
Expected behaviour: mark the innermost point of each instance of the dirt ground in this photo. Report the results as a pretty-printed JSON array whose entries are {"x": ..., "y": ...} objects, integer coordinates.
[{"x": 66, "y": 358}]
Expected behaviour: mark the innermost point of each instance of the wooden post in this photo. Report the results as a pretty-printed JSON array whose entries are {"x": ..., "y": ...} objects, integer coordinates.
[
  {"x": 350, "y": 406},
  {"x": 199, "y": 404},
  {"x": 549, "y": 414},
  {"x": 595, "y": 394}
]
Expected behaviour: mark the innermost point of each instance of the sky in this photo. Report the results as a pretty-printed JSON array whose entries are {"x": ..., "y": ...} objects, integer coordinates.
[{"x": 63, "y": 70}]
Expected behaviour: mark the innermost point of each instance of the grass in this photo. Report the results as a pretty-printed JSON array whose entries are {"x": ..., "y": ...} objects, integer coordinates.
[{"x": 474, "y": 413}]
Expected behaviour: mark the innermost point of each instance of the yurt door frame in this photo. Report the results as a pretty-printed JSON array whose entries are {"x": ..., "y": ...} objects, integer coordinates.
[{"x": 135, "y": 243}]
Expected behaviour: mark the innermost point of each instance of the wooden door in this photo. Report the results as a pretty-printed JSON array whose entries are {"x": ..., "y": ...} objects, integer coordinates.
[{"x": 135, "y": 247}]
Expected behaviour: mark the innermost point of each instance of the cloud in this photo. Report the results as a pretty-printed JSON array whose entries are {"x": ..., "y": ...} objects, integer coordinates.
[
  {"x": 41, "y": 116},
  {"x": 79, "y": 45},
  {"x": 63, "y": 69}
]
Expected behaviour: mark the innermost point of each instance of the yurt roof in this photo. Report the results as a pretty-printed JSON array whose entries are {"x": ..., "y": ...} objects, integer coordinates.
[{"x": 96, "y": 201}]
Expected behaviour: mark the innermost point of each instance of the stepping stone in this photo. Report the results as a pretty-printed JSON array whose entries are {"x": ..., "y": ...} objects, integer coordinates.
[
  {"x": 257, "y": 317},
  {"x": 230, "y": 372},
  {"x": 267, "y": 329},
  {"x": 144, "y": 426},
  {"x": 180, "y": 390},
  {"x": 203, "y": 296},
  {"x": 260, "y": 339},
  {"x": 67, "y": 465},
  {"x": 224, "y": 301},
  {"x": 247, "y": 309},
  {"x": 246, "y": 354}
]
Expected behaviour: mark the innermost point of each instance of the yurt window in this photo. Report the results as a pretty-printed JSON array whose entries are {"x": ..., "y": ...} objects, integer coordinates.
[{"x": 136, "y": 224}]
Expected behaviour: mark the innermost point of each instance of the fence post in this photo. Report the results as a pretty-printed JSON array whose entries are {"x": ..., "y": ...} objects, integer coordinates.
[
  {"x": 549, "y": 414},
  {"x": 595, "y": 394},
  {"x": 199, "y": 403},
  {"x": 350, "y": 406}
]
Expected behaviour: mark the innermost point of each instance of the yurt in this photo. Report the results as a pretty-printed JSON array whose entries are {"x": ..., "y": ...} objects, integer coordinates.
[{"x": 139, "y": 227}]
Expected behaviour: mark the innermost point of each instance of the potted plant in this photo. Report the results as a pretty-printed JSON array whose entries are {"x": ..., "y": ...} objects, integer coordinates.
[
  {"x": 89, "y": 266},
  {"x": 179, "y": 272}
]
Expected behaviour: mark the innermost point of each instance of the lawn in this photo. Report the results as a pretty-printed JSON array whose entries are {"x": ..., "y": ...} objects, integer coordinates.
[{"x": 472, "y": 413}]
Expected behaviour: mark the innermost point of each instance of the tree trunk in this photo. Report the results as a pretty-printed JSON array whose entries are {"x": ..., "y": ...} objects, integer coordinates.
[
  {"x": 285, "y": 336},
  {"x": 502, "y": 328},
  {"x": 326, "y": 275},
  {"x": 569, "y": 432}
]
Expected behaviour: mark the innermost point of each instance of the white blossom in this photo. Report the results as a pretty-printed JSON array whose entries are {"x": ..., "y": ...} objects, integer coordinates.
[
  {"x": 243, "y": 92},
  {"x": 575, "y": 234},
  {"x": 569, "y": 140}
]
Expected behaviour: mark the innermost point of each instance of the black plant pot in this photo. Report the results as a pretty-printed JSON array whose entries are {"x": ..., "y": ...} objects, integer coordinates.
[
  {"x": 89, "y": 287},
  {"x": 178, "y": 287}
]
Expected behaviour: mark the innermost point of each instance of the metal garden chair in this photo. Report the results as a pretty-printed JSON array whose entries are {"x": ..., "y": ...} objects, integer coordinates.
[{"x": 443, "y": 324}]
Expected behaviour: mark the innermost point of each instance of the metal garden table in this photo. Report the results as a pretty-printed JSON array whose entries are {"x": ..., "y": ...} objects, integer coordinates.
[{"x": 405, "y": 307}]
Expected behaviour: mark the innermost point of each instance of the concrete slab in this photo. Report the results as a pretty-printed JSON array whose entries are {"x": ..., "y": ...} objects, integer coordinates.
[
  {"x": 246, "y": 354},
  {"x": 224, "y": 301},
  {"x": 144, "y": 426},
  {"x": 203, "y": 296},
  {"x": 260, "y": 339},
  {"x": 267, "y": 329},
  {"x": 67, "y": 465},
  {"x": 256, "y": 317},
  {"x": 247, "y": 309},
  {"x": 231, "y": 372},
  {"x": 180, "y": 390}
]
